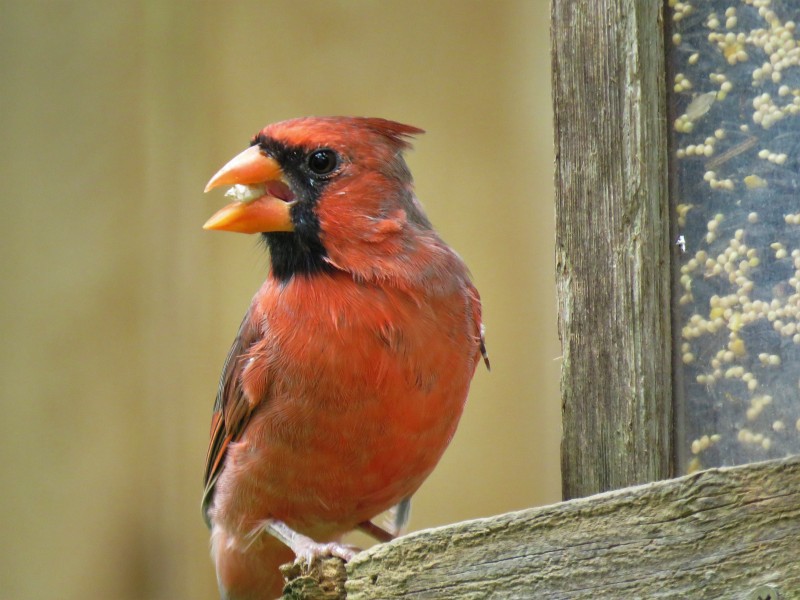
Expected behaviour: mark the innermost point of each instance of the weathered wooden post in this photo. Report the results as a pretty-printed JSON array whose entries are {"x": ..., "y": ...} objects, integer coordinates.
[{"x": 612, "y": 243}]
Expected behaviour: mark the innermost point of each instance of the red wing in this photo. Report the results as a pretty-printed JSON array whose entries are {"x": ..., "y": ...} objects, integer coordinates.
[{"x": 231, "y": 409}]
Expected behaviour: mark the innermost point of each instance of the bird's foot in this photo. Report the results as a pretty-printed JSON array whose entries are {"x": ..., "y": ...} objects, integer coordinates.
[
  {"x": 377, "y": 532},
  {"x": 393, "y": 522},
  {"x": 313, "y": 551},
  {"x": 306, "y": 549}
]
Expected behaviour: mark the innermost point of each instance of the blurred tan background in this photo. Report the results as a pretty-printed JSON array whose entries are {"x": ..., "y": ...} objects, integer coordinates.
[{"x": 118, "y": 309}]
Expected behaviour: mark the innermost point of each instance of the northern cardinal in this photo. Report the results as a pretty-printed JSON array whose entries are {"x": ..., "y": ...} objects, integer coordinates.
[{"x": 350, "y": 370}]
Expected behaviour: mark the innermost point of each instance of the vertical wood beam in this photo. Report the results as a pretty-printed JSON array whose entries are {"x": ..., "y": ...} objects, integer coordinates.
[{"x": 612, "y": 243}]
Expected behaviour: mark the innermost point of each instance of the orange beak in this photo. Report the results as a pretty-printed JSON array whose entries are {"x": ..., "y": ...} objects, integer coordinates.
[{"x": 262, "y": 198}]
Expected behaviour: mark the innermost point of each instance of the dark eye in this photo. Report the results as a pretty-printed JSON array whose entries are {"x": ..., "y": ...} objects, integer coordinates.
[{"x": 322, "y": 162}]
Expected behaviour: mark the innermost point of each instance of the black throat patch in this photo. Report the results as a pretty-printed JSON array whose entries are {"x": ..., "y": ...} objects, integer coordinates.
[{"x": 301, "y": 251}]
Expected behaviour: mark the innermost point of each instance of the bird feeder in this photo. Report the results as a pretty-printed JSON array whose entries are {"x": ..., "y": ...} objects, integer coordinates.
[{"x": 733, "y": 95}]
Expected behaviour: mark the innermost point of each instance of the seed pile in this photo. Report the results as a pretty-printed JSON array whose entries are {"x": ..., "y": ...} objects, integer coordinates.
[{"x": 734, "y": 101}]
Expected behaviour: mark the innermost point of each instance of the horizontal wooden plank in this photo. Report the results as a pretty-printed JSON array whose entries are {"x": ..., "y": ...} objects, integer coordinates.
[{"x": 720, "y": 533}]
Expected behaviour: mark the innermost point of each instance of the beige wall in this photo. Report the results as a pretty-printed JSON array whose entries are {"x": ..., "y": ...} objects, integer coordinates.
[{"x": 117, "y": 308}]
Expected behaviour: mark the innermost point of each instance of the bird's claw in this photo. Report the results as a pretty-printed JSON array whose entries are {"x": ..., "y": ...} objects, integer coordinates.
[
  {"x": 306, "y": 549},
  {"x": 310, "y": 552}
]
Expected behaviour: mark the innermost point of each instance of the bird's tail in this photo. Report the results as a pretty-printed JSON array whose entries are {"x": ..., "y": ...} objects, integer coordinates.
[{"x": 249, "y": 571}]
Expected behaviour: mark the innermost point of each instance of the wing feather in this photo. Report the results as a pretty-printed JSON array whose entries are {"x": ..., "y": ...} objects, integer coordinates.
[{"x": 232, "y": 409}]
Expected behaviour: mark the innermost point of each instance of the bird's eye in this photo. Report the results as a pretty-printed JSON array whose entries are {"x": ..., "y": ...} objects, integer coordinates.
[{"x": 322, "y": 162}]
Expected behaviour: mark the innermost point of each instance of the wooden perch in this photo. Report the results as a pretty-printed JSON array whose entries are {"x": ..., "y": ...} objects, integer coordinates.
[{"x": 721, "y": 533}]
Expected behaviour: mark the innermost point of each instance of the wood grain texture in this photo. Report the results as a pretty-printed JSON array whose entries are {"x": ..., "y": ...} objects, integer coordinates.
[
  {"x": 612, "y": 243},
  {"x": 714, "y": 534},
  {"x": 321, "y": 579}
]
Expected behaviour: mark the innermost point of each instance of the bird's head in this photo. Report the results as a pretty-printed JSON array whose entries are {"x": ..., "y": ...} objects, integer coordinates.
[{"x": 328, "y": 193}]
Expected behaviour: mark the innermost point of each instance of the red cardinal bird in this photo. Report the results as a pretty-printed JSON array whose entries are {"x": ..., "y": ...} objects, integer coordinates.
[{"x": 350, "y": 370}]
